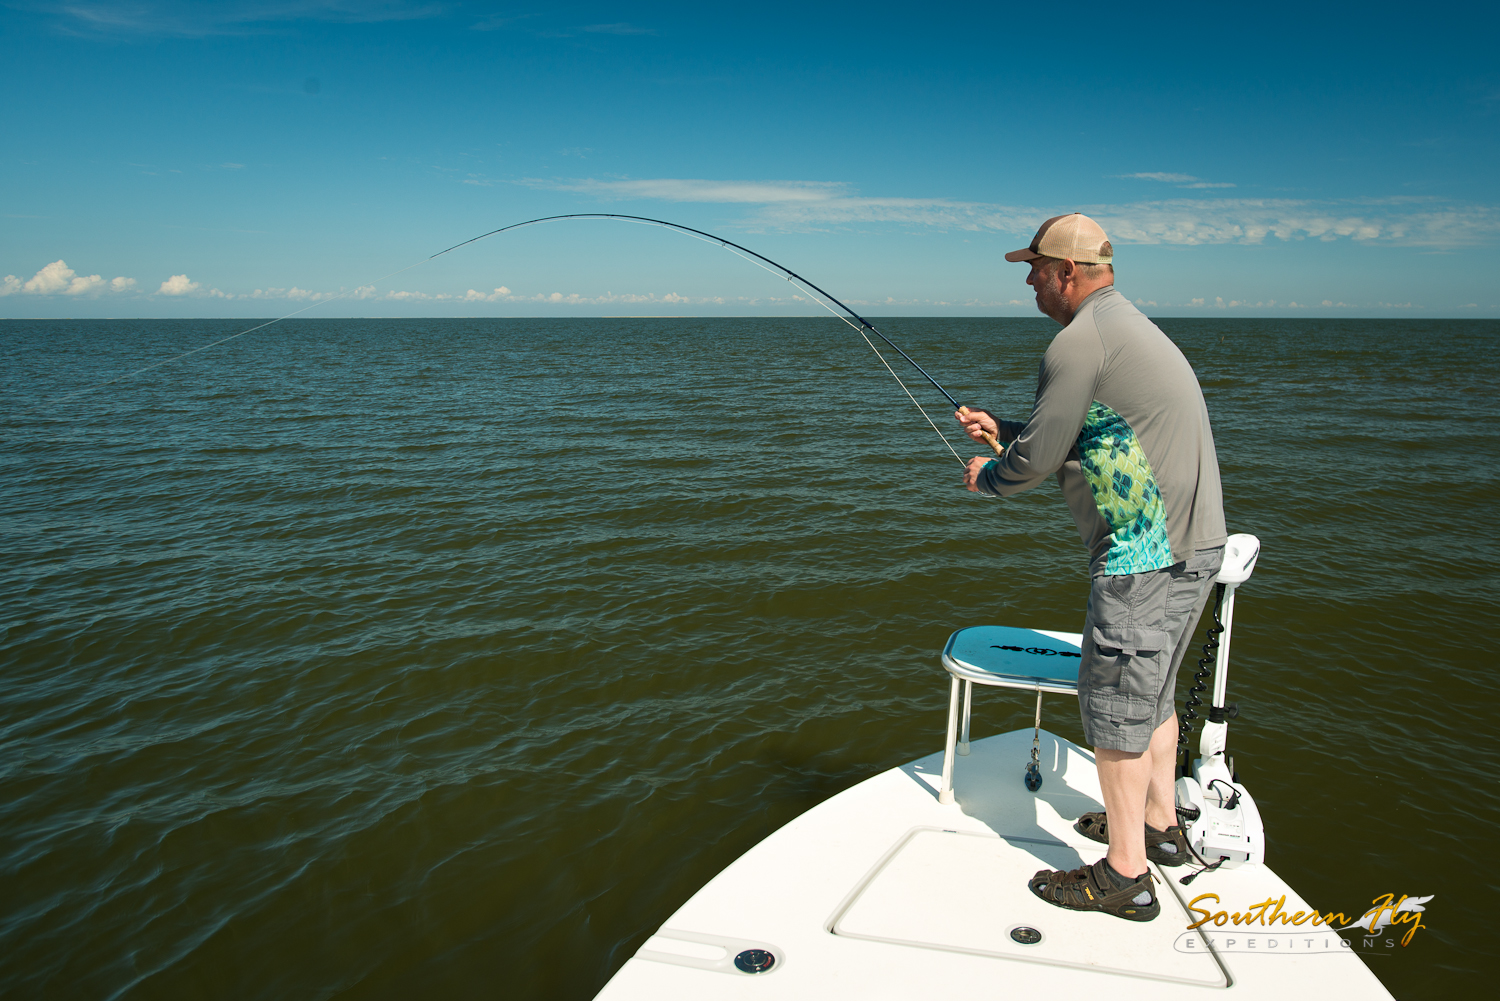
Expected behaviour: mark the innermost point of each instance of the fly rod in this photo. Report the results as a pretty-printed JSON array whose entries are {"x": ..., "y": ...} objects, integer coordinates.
[{"x": 788, "y": 273}]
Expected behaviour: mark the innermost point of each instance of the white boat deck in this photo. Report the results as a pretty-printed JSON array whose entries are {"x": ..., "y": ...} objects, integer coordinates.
[{"x": 882, "y": 892}]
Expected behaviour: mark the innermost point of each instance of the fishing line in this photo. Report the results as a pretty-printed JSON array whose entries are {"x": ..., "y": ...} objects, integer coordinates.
[
  {"x": 782, "y": 271},
  {"x": 224, "y": 340},
  {"x": 864, "y": 327},
  {"x": 864, "y": 324}
]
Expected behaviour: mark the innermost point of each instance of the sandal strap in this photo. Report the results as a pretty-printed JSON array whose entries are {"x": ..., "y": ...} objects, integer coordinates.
[{"x": 1089, "y": 887}]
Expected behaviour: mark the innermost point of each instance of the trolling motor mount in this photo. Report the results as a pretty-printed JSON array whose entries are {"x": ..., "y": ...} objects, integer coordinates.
[{"x": 1223, "y": 824}]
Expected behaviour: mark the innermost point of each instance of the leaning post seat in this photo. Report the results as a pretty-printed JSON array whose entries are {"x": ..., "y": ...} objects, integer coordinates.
[{"x": 1036, "y": 660}]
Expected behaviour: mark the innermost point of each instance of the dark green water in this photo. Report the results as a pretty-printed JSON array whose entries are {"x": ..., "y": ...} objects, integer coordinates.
[{"x": 391, "y": 659}]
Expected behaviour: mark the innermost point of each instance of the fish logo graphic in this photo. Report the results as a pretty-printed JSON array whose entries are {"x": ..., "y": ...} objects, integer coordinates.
[{"x": 1389, "y": 911}]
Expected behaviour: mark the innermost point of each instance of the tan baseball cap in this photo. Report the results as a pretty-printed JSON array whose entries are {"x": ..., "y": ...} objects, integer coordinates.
[{"x": 1075, "y": 237}]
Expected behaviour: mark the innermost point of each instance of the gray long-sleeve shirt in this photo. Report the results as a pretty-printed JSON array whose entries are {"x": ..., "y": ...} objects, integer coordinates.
[{"x": 1120, "y": 418}]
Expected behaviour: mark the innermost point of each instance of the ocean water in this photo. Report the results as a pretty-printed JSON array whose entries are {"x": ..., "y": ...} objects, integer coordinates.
[{"x": 446, "y": 658}]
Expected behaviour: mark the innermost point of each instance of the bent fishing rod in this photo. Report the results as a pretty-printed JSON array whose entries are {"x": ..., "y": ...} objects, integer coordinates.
[
  {"x": 758, "y": 259},
  {"x": 762, "y": 260}
]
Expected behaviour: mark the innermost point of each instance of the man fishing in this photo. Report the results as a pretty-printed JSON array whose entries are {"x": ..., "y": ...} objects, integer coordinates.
[{"x": 1120, "y": 418}]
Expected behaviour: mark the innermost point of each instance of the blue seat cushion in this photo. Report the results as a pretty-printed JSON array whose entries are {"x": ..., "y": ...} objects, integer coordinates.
[{"x": 1015, "y": 657}]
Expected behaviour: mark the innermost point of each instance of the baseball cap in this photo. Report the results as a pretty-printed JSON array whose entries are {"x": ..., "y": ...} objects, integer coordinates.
[{"x": 1075, "y": 237}]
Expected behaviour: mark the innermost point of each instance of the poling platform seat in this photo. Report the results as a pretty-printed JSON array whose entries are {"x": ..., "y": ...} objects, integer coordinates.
[{"x": 1037, "y": 660}]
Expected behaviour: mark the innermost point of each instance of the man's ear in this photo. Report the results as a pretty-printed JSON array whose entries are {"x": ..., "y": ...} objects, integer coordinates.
[{"x": 1067, "y": 269}]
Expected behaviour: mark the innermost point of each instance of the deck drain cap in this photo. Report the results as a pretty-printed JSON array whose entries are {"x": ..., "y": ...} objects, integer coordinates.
[
  {"x": 754, "y": 961},
  {"x": 1022, "y": 934}
]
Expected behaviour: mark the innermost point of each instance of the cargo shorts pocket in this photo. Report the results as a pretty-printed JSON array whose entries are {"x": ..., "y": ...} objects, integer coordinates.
[
  {"x": 1119, "y": 708},
  {"x": 1142, "y": 655},
  {"x": 1187, "y": 590}
]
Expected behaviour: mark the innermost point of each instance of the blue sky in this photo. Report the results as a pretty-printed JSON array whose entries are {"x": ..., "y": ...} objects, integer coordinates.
[{"x": 249, "y": 157}]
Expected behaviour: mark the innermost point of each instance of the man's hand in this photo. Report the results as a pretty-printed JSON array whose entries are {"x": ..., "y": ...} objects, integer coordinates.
[
  {"x": 977, "y": 423},
  {"x": 971, "y": 471}
]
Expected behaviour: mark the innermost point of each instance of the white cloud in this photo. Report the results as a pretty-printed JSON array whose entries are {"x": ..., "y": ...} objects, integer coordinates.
[
  {"x": 500, "y": 293},
  {"x": 937, "y": 212},
  {"x": 177, "y": 285},
  {"x": 180, "y": 285},
  {"x": 1183, "y": 222},
  {"x": 227, "y": 17},
  {"x": 503, "y": 294},
  {"x": 1193, "y": 222},
  {"x": 59, "y": 279},
  {"x": 55, "y": 278},
  {"x": 84, "y": 284},
  {"x": 294, "y": 293},
  {"x": 669, "y": 189},
  {"x": 1181, "y": 180},
  {"x": 636, "y": 298}
]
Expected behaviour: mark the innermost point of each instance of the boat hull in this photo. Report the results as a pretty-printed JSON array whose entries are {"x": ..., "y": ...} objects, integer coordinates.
[{"x": 884, "y": 892}]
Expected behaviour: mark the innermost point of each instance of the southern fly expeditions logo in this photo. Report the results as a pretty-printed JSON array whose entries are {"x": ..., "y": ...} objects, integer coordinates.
[{"x": 1268, "y": 927}]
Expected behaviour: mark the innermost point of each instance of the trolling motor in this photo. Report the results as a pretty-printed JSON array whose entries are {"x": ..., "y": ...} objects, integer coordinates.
[{"x": 1223, "y": 824}]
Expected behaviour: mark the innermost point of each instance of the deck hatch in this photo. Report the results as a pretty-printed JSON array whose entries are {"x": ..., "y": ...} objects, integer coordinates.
[{"x": 965, "y": 892}]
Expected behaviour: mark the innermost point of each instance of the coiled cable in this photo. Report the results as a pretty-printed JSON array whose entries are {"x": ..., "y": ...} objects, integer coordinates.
[{"x": 1200, "y": 682}]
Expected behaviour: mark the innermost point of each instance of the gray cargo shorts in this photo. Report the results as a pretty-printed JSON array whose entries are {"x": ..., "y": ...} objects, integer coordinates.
[{"x": 1137, "y": 630}]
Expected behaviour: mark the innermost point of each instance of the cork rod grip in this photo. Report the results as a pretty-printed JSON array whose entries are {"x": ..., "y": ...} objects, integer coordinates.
[{"x": 990, "y": 439}]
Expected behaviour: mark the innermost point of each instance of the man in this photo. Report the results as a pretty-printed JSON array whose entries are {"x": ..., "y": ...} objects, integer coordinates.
[{"x": 1120, "y": 418}]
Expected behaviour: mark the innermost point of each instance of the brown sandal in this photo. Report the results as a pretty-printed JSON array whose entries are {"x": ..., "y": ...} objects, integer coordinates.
[
  {"x": 1095, "y": 826},
  {"x": 1093, "y": 888}
]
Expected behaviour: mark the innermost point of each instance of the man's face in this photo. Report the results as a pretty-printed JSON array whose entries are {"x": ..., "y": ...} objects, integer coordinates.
[{"x": 1049, "y": 295}]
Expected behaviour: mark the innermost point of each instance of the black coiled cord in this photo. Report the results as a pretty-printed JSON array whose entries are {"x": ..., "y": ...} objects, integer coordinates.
[{"x": 1200, "y": 682}]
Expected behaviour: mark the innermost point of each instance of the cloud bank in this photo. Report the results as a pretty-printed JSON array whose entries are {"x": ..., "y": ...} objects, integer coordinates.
[
  {"x": 1419, "y": 222},
  {"x": 188, "y": 19},
  {"x": 1412, "y": 222},
  {"x": 59, "y": 279},
  {"x": 683, "y": 190},
  {"x": 503, "y": 294}
]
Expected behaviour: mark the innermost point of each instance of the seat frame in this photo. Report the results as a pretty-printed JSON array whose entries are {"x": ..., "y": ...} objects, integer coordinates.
[{"x": 963, "y": 678}]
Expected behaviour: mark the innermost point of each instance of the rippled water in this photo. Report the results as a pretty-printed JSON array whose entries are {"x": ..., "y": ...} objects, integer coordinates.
[{"x": 381, "y": 658}]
